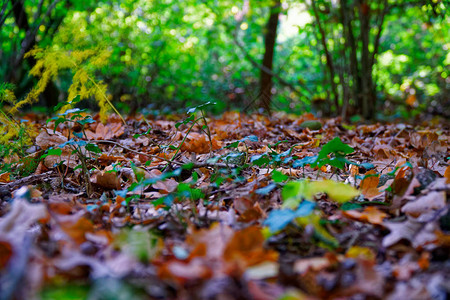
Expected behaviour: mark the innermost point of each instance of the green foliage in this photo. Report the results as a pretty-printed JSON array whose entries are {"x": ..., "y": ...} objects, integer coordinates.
[
  {"x": 84, "y": 150},
  {"x": 174, "y": 54}
]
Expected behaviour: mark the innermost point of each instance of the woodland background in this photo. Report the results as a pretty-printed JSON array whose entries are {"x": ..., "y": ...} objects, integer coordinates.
[{"x": 330, "y": 57}]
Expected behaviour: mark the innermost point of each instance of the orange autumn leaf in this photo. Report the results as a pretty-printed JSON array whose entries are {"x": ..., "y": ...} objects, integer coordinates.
[
  {"x": 216, "y": 238},
  {"x": 424, "y": 260},
  {"x": 369, "y": 185},
  {"x": 370, "y": 214},
  {"x": 199, "y": 143},
  {"x": 5, "y": 177},
  {"x": 106, "y": 132},
  {"x": 78, "y": 229},
  {"x": 60, "y": 207},
  {"x": 447, "y": 175},
  {"x": 247, "y": 245}
]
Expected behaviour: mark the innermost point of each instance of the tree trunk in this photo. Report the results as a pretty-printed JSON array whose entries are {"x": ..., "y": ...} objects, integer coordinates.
[
  {"x": 328, "y": 57},
  {"x": 265, "y": 94},
  {"x": 368, "y": 104},
  {"x": 347, "y": 15}
]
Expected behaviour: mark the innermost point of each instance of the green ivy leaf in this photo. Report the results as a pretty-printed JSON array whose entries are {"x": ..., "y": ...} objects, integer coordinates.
[
  {"x": 93, "y": 148},
  {"x": 277, "y": 176},
  {"x": 335, "y": 146}
]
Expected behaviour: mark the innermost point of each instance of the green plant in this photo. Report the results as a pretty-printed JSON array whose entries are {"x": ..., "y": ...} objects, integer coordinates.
[
  {"x": 332, "y": 153},
  {"x": 84, "y": 150}
]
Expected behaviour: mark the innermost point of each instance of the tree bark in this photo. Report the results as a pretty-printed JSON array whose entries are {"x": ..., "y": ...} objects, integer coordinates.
[
  {"x": 347, "y": 15},
  {"x": 328, "y": 57},
  {"x": 265, "y": 94},
  {"x": 368, "y": 104}
]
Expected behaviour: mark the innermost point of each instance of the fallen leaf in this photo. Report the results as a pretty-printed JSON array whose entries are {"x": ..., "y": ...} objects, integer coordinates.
[
  {"x": 369, "y": 185},
  {"x": 430, "y": 202},
  {"x": 447, "y": 175},
  {"x": 106, "y": 132},
  {"x": 78, "y": 230},
  {"x": 246, "y": 246},
  {"x": 199, "y": 143},
  {"x": 418, "y": 234},
  {"x": 108, "y": 180},
  {"x": 370, "y": 214},
  {"x": 337, "y": 191},
  {"x": 361, "y": 253},
  {"x": 5, "y": 177}
]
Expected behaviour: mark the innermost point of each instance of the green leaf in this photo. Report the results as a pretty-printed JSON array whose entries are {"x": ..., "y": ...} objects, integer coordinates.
[
  {"x": 201, "y": 106},
  {"x": 93, "y": 148},
  {"x": 335, "y": 146},
  {"x": 86, "y": 120},
  {"x": 57, "y": 151},
  {"x": 337, "y": 162},
  {"x": 279, "y": 219},
  {"x": 260, "y": 159},
  {"x": 277, "y": 176},
  {"x": 294, "y": 192}
]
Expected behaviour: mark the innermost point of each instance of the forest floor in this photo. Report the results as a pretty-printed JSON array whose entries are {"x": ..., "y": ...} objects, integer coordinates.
[{"x": 236, "y": 207}]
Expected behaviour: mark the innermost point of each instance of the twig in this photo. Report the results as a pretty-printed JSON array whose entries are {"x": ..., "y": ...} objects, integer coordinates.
[{"x": 6, "y": 188}]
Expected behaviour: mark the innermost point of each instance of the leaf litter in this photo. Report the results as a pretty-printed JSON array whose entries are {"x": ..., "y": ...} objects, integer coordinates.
[{"x": 237, "y": 207}]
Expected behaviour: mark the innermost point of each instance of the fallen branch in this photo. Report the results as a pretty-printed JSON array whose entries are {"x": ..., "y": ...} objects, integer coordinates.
[{"x": 6, "y": 188}]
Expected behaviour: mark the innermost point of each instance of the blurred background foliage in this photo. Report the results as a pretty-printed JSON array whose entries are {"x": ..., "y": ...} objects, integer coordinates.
[{"x": 167, "y": 55}]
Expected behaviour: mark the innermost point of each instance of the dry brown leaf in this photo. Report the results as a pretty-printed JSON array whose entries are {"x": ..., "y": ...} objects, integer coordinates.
[
  {"x": 108, "y": 180},
  {"x": 447, "y": 175},
  {"x": 371, "y": 214},
  {"x": 216, "y": 239},
  {"x": 106, "y": 132},
  {"x": 5, "y": 177},
  {"x": 422, "y": 139},
  {"x": 428, "y": 203},
  {"x": 246, "y": 246},
  {"x": 77, "y": 231},
  {"x": 199, "y": 143},
  {"x": 417, "y": 233},
  {"x": 369, "y": 185},
  {"x": 47, "y": 138}
]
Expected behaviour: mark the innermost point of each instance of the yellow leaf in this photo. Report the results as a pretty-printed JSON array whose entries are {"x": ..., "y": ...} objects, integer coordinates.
[{"x": 337, "y": 191}]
